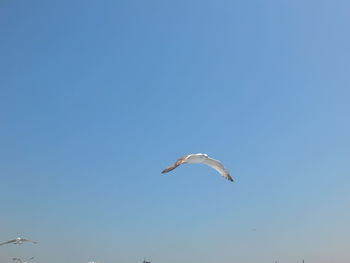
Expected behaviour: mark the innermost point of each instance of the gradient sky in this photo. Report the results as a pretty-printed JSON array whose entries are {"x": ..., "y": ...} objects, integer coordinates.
[{"x": 97, "y": 97}]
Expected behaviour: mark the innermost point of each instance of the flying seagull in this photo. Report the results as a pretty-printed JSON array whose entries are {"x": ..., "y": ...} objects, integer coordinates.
[
  {"x": 201, "y": 158},
  {"x": 21, "y": 261},
  {"x": 18, "y": 241}
]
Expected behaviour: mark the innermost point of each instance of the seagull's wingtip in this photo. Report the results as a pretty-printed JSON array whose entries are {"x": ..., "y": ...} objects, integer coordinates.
[{"x": 230, "y": 178}]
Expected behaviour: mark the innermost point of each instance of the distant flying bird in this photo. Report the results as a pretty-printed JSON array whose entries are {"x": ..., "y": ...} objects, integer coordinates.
[
  {"x": 201, "y": 158},
  {"x": 18, "y": 241},
  {"x": 21, "y": 261}
]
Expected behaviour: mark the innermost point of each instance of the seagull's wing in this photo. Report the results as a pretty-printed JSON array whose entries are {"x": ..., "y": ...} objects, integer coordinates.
[
  {"x": 176, "y": 164},
  {"x": 8, "y": 242},
  {"x": 27, "y": 240},
  {"x": 20, "y": 260},
  {"x": 30, "y": 259},
  {"x": 218, "y": 166}
]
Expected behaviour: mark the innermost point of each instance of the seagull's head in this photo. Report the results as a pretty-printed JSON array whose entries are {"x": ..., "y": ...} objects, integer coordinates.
[{"x": 202, "y": 156}]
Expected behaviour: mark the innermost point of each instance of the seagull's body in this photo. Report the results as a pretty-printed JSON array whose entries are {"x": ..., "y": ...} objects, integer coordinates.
[
  {"x": 201, "y": 158},
  {"x": 18, "y": 241},
  {"x": 21, "y": 261}
]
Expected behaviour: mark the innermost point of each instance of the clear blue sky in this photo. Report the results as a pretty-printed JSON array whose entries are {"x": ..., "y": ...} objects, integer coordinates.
[{"x": 97, "y": 97}]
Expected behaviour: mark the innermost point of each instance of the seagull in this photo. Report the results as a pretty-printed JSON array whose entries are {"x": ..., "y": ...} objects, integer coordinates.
[
  {"x": 201, "y": 158},
  {"x": 17, "y": 241},
  {"x": 21, "y": 261}
]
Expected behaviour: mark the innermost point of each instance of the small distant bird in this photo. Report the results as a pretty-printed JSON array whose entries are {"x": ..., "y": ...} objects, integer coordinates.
[
  {"x": 18, "y": 241},
  {"x": 201, "y": 158},
  {"x": 21, "y": 261}
]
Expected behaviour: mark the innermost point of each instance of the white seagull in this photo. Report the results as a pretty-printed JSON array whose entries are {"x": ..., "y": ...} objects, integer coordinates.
[
  {"x": 18, "y": 241},
  {"x": 21, "y": 261},
  {"x": 201, "y": 158}
]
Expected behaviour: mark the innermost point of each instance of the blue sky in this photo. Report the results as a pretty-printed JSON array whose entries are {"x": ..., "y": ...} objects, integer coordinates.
[{"x": 97, "y": 97}]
